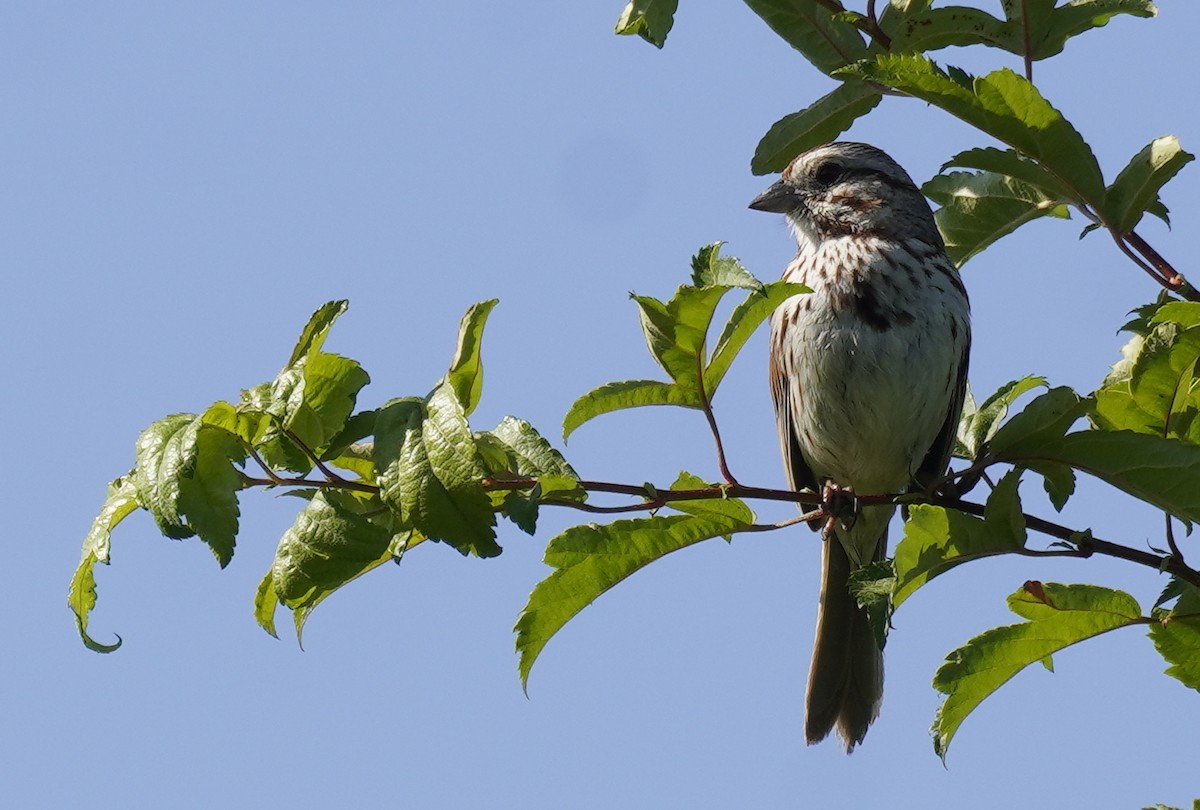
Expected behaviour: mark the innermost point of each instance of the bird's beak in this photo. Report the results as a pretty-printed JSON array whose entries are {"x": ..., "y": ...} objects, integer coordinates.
[{"x": 780, "y": 198}]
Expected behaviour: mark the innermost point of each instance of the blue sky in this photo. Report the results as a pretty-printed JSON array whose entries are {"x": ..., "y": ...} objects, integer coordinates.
[{"x": 185, "y": 183}]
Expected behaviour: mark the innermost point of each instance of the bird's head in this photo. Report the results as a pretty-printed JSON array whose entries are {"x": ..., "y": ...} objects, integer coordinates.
[{"x": 845, "y": 188}]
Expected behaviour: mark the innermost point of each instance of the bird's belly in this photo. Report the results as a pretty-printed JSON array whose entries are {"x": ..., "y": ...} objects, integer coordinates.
[{"x": 872, "y": 401}]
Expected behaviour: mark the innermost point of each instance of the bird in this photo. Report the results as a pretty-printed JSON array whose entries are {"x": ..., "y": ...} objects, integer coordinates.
[{"x": 868, "y": 375}]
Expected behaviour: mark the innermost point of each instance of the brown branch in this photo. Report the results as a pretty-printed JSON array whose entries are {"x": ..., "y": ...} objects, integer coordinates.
[
  {"x": 1084, "y": 543},
  {"x": 706, "y": 406}
]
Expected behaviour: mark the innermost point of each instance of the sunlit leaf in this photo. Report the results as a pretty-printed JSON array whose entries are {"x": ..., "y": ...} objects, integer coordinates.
[
  {"x": 81, "y": 596},
  {"x": 466, "y": 369},
  {"x": 936, "y": 539},
  {"x": 1002, "y": 104},
  {"x": 820, "y": 122},
  {"x": 979, "y": 208},
  {"x": 629, "y": 394},
  {"x": 590, "y": 559},
  {"x": 980, "y": 423},
  {"x": 811, "y": 28},
  {"x": 1136, "y": 187},
  {"x": 1057, "y": 617},
  {"x": 649, "y": 19}
]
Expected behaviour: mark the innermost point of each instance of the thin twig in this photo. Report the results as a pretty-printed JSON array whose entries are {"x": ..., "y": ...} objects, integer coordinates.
[
  {"x": 1175, "y": 552},
  {"x": 320, "y": 465},
  {"x": 706, "y": 405}
]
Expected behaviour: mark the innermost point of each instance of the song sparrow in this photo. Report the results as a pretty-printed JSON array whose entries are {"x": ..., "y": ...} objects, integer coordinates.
[{"x": 868, "y": 373}]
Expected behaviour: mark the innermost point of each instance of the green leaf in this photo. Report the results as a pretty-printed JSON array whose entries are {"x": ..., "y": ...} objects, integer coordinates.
[
  {"x": 466, "y": 369},
  {"x": 1078, "y": 16},
  {"x": 208, "y": 492},
  {"x": 184, "y": 476},
  {"x": 430, "y": 472},
  {"x": 1058, "y": 616},
  {"x": 820, "y": 122},
  {"x": 1045, "y": 418},
  {"x": 629, "y": 394},
  {"x": 528, "y": 454},
  {"x": 1011, "y": 164},
  {"x": 329, "y": 545},
  {"x": 979, "y": 208},
  {"x": 812, "y": 29},
  {"x": 1157, "y": 470},
  {"x": 937, "y": 539},
  {"x": 165, "y": 452},
  {"x": 533, "y": 455},
  {"x": 590, "y": 559},
  {"x": 726, "y": 509},
  {"x": 1178, "y": 641},
  {"x": 1002, "y": 104},
  {"x": 1136, "y": 188},
  {"x": 676, "y": 331},
  {"x": 81, "y": 596},
  {"x": 979, "y": 424},
  {"x": 872, "y": 586},
  {"x": 711, "y": 269},
  {"x": 743, "y": 322},
  {"x": 318, "y": 394},
  {"x": 312, "y": 338},
  {"x": 938, "y": 28},
  {"x": 1058, "y": 481},
  {"x": 1159, "y": 396},
  {"x": 649, "y": 19}
]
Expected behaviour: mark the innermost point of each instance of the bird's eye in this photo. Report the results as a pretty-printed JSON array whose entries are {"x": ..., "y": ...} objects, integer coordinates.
[{"x": 829, "y": 173}]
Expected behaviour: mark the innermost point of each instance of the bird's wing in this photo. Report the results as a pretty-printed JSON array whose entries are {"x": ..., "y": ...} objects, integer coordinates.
[
  {"x": 800, "y": 475},
  {"x": 933, "y": 466}
]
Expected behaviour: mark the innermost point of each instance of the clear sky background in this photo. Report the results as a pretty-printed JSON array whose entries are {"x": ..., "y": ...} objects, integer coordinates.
[{"x": 183, "y": 183}]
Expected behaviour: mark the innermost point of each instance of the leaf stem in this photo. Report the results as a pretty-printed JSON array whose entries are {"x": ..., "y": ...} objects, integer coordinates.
[{"x": 706, "y": 406}]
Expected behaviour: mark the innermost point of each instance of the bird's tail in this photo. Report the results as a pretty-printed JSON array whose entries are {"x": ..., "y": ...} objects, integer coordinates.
[{"x": 845, "y": 681}]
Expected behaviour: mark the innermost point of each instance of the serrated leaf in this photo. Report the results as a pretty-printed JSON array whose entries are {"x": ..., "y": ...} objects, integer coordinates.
[
  {"x": 743, "y": 322},
  {"x": 872, "y": 586},
  {"x": 466, "y": 369},
  {"x": 811, "y": 28},
  {"x": 1078, "y": 16},
  {"x": 1159, "y": 395},
  {"x": 120, "y": 502},
  {"x": 1046, "y": 417},
  {"x": 676, "y": 330},
  {"x": 430, "y": 473},
  {"x": 1178, "y": 641},
  {"x": 1002, "y": 104},
  {"x": 649, "y": 19},
  {"x": 208, "y": 493},
  {"x": 979, "y": 423},
  {"x": 528, "y": 454},
  {"x": 937, "y": 539},
  {"x": 676, "y": 333},
  {"x": 1057, "y": 479},
  {"x": 629, "y": 394},
  {"x": 590, "y": 559},
  {"x": 711, "y": 269},
  {"x": 1136, "y": 188},
  {"x": 312, "y": 338},
  {"x": 164, "y": 453},
  {"x": 534, "y": 456},
  {"x": 318, "y": 395},
  {"x": 1157, "y": 470},
  {"x": 820, "y": 122},
  {"x": 1012, "y": 164},
  {"x": 938, "y": 28},
  {"x": 328, "y": 545},
  {"x": 977, "y": 209},
  {"x": 731, "y": 509},
  {"x": 1058, "y": 616}
]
